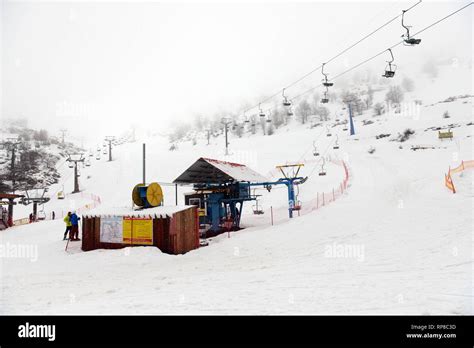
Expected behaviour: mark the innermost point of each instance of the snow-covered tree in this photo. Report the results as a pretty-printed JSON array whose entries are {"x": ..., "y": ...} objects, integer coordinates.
[
  {"x": 379, "y": 109},
  {"x": 394, "y": 95},
  {"x": 408, "y": 84},
  {"x": 303, "y": 111},
  {"x": 355, "y": 101}
]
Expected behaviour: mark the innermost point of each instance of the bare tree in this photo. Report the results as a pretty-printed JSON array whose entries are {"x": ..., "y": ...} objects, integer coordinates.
[
  {"x": 379, "y": 109},
  {"x": 394, "y": 95},
  {"x": 303, "y": 111}
]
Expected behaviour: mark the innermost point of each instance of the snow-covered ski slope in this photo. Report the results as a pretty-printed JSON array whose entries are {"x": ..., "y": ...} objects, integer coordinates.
[{"x": 397, "y": 241}]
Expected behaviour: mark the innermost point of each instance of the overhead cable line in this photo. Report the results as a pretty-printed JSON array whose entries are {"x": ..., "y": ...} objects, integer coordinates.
[{"x": 331, "y": 59}]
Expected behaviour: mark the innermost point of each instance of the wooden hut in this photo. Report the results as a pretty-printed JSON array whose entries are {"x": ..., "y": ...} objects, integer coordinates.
[
  {"x": 174, "y": 230},
  {"x": 7, "y": 201}
]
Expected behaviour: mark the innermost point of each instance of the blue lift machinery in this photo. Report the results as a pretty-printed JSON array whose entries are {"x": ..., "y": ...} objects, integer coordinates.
[{"x": 221, "y": 188}]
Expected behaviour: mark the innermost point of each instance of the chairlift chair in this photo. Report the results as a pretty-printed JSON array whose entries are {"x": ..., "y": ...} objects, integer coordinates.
[
  {"x": 390, "y": 68},
  {"x": 41, "y": 215},
  {"x": 297, "y": 206},
  {"x": 326, "y": 83},
  {"x": 336, "y": 144},
  {"x": 290, "y": 111},
  {"x": 286, "y": 102},
  {"x": 315, "y": 149},
  {"x": 328, "y": 132},
  {"x": 257, "y": 210},
  {"x": 261, "y": 114},
  {"x": 269, "y": 120},
  {"x": 71, "y": 165},
  {"x": 322, "y": 172},
  {"x": 60, "y": 195},
  {"x": 297, "y": 202},
  {"x": 409, "y": 41},
  {"x": 325, "y": 99}
]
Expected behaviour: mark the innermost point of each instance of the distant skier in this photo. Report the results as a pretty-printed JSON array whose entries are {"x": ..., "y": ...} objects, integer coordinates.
[
  {"x": 67, "y": 221},
  {"x": 53, "y": 215},
  {"x": 75, "y": 226}
]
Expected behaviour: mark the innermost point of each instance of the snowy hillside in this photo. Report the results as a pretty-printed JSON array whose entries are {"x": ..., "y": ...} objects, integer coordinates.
[{"x": 396, "y": 241}]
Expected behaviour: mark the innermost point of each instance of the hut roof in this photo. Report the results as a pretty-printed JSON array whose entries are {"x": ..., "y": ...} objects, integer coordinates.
[
  {"x": 161, "y": 211},
  {"x": 9, "y": 195},
  {"x": 207, "y": 170}
]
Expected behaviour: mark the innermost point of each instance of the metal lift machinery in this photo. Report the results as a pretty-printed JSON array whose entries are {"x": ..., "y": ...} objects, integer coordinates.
[{"x": 221, "y": 188}]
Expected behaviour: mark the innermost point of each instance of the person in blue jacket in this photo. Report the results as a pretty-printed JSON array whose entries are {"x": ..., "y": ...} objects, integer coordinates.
[{"x": 75, "y": 226}]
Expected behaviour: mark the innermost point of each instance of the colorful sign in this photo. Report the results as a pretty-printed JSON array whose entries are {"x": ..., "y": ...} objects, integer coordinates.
[
  {"x": 111, "y": 230},
  {"x": 137, "y": 231}
]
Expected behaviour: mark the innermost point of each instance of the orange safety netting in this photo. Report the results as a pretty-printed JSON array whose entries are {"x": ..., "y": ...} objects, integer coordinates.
[
  {"x": 464, "y": 165},
  {"x": 448, "y": 180}
]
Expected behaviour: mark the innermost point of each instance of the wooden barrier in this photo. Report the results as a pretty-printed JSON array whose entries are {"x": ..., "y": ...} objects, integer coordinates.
[{"x": 445, "y": 135}]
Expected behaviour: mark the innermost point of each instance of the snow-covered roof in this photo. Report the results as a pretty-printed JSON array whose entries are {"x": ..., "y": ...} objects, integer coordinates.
[
  {"x": 207, "y": 170},
  {"x": 161, "y": 211}
]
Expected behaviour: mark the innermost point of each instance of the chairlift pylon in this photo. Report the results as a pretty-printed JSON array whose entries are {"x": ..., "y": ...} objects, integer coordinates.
[
  {"x": 326, "y": 83},
  {"x": 409, "y": 41},
  {"x": 390, "y": 68}
]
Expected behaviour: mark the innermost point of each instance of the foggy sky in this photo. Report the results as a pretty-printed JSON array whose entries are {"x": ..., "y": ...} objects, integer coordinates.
[{"x": 101, "y": 67}]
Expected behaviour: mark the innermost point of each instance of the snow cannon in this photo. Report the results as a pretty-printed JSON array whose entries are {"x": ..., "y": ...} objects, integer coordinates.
[{"x": 147, "y": 196}]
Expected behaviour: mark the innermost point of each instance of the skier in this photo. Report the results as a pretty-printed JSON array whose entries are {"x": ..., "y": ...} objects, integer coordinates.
[
  {"x": 75, "y": 226},
  {"x": 67, "y": 221}
]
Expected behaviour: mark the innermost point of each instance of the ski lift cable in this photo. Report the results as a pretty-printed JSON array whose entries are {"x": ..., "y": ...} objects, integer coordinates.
[
  {"x": 399, "y": 43},
  {"x": 373, "y": 32},
  {"x": 333, "y": 58},
  {"x": 382, "y": 52},
  {"x": 321, "y": 158}
]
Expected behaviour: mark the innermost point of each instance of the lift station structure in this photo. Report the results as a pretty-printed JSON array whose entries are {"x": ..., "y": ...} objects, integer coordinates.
[{"x": 221, "y": 188}]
